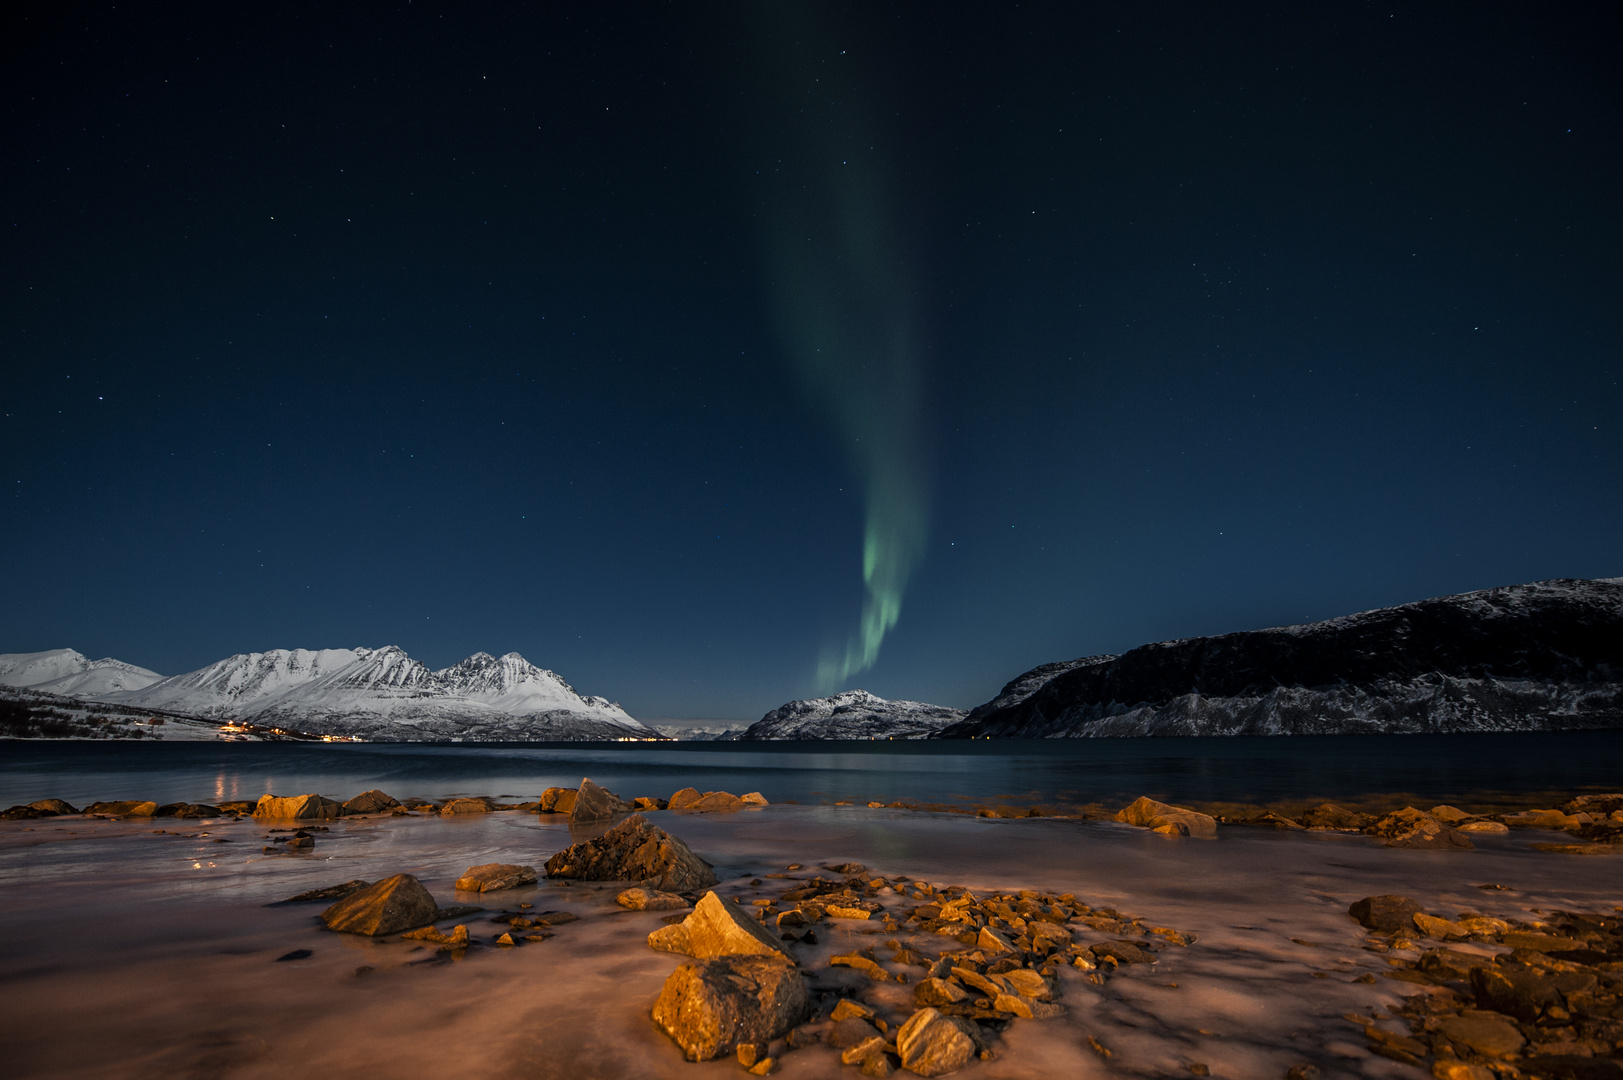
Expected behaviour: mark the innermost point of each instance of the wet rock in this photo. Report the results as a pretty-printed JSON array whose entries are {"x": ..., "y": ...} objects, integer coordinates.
[
  {"x": 1452, "y": 964},
  {"x": 296, "y": 808},
  {"x": 1331, "y": 816},
  {"x": 710, "y": 1006},
  {"x": 719, "y": 927},
  {"x": 1386, "y": 914},
  {"x": 683, "y": 799},
  {"x": 1028, "y": 983},
  {"x": 303, "y": 842},
  {"x": 126, "y": 808},
  {"x": 716, "y": 800},
  {"x": 1123, "y": 952},
  {"x": 1025, "y": 1008},
  {"x": 1432, "y": 926},
  {"x": 640, "y": 899},
  {"x": 1485, "y": 1032},
  {"x": 558, "y": 800},
  {"x": 387, "y": 907},
  {"x": 370, "y": 802},
  {"x": 24, "y": 813},
  {"x": 1449, "y": 815},
  {"x": 1483, "y": 827},
  {"x": 452, "y": 807},
  {"x": 593, "y": 803},
  {"x": 932, "y": 1044},
  {"x": 643, "y": 802},
  {"x": 753, "y": 798},
  {"x": 938, "y": 992},
  {"x": 331, "y": 892},
  {"x": 860, "y": 1052},
  {"x": 491, "y": 877},
  {"x": 634, "y": 850},
  {"x": 1146, "y": 812},
  {"x": 1522, "y": 991},
  {"x": 858, "y": 962},
  {"x": 989, "y": 940},
  {"x": 188, "y": 810},
  {"x": 52, "y": 806}
]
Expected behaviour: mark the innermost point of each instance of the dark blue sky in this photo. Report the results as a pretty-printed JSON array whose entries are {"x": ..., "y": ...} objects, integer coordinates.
[{"x": 496, "y": 330}]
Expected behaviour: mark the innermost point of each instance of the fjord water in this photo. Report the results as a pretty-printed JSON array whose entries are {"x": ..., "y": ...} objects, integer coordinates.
[{"x": 1481, "y": 769}]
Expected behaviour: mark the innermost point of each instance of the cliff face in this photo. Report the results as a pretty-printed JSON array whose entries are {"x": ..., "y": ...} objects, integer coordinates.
[{"x": 1547, "y": 655}]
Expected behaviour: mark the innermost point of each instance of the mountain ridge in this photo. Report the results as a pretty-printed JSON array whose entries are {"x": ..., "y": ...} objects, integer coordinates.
[{"x": 851, "y": 714}]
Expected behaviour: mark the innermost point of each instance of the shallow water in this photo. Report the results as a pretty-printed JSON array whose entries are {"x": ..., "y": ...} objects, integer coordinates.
[
  {"x": 1484, "y": 770},
  {"x": 135, "y": 954}
]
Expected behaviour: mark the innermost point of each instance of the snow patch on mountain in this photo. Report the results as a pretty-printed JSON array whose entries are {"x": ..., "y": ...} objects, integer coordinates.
[
  {"x": 70, "y": 673},
  {"x": 853, "y": 714},
  {"x": 384, "y": 694}
]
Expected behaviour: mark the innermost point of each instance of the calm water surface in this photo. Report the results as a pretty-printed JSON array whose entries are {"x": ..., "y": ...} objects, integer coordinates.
[{"x": 1512, "y": 769}]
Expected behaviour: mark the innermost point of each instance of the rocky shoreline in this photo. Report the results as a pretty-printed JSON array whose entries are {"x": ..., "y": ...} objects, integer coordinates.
[{"x": 879, "y": 971}]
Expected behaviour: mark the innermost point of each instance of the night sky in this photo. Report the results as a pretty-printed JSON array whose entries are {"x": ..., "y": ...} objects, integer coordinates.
[{"x": 632, "y": 337}]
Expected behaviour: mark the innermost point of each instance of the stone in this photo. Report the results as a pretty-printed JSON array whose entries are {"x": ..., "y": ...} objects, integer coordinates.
[
  {"x": 976, "y": 981},
  {"x": 860, "y": 963},
  {"x": 1432, "y": 926},
  {"x": 931, "y": 1044},
  {"x": 848, "y": 1007},
  {"x": 491, "y": 877},
  {"x": 126, "y": 808},
  {"x": 640, "y": 899},
  {"x": 188, "y": 810},
  {"x": 1483, "y": 827},
  {"x": 989, "y": 940},
  {"x": 1123, "y": 952},
  {"x": 634, "y": 851},
  {"x": 1026, "y": 1008},
  {"x": 1486, "y": 1033},
  {"x": 643, "y": 802},
  {"x": 1594, "y": 805},
  {"x": 386, "y": 907},
  {"x": 1386, "y": 914},
  {"x": 593, "y": 803},
  {"x": 764, "y": 1067},
  {"x": 1451, "y": 963},
  {"x": 1047, "y": 936},
  {"x": 557, "y": 800},
  {"x": 710, "y": 1006},
  {"x": 751, "y": 1052},
  {"x": 452, "y": 807},
  {"x": 938, "y": 992},
  {"x": 1448, "y": 815},
  {"x": 720, "y": 927},
  {"x": 1146, "y": 812},
  {"x": 1522, "y": 992},
  {"x": 1460, "y": 1070},
  {"x": 370, "y": 802},
  {"x": 296, "y": 808},
  {"x": 52, "y": 806},
  {"x": 1331, "y": 816},
  {"x": 754, "y": 798},
  {"x": 856, "y": 1055},
  {"x": 1432, "y": 835},
  {"x": 1483, "y": 925},
  {"x": 1028, "y": 983},
  {"x": 716, "y": 800},
  {"x": 302, "y": 842},
  {"x": 683, "y": 799}
]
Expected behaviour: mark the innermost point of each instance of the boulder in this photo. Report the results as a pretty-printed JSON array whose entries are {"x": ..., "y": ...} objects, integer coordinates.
[
  {"x": 386, "y": 907},
  {"x": 465, "y": 806},
  {"x": 593, "y": 803},
  {"x": 720, "y": 927},
  {"x": 754, "y": 798},
  {"x": 126, "y": 808},
  {"x": 1331, "y": 816},
  {"x": 681, "y": 800},
  {"x": 557, "y": 800},
  {"x": 710, "y": 1006},
  {"x": 643, "y": 802},
  {"x": 489, "y": 877},
  {"x": 635, "y": 851},
  {"x": 938, "y": 992},
  {"x": 1432, "y": 835},
  {"x": 1484, "y": 827},
  {"x": 187, "y": 810},
  {"x": 1387, "y": 914},
  {"x": 1546, "y": 819},
  {"x": 932, "y": 1044},
  {"x": 52, "y": 806},
  {"x": 296, "y": 807},
  {"x": 717, "y": 800},
  {"x": 1432, "y": 926},
  {"x": 1523, "y": 992},
  {"x": 1449, "y": 815},
  {"x": 1146, "y": 812},
  {"x": 1485, "y": 1032},
  {"x": 370, "y": 802},
  {"x": 1594, "y": 805},
  {"x": 640, "y": 899}
]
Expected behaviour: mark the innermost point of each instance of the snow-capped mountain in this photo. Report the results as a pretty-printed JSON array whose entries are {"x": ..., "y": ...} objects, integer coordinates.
[
  {"x": 66, "y": 672},
  {"x": 853, "y": 714},
  {"x": 383, "y": 694},
  {"x": 1543, "y": 656}
]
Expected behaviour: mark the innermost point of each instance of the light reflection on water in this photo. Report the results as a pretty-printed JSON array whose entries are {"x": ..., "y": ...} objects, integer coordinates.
[{"x": 1507, "y": 768}]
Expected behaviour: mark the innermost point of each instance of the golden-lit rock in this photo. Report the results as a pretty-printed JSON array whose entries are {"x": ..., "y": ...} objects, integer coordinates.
[
  {"x": 640, "y": 899},
  {"x": 708, "y": 1007},
  {"x": 557, "y": 800},
  {"x": 1387, "y": 914},
  {"x": 296, "y": 808},
  {"x": 1147, "y": 813},
  {"x": 386, "y": 907},
  {"x": 127, "y": 808},
  {"x": 452, "y": 807},
  {"x": 595, "y": 803},
  {"x": 370, "y": 802},
  {"x": 1487, "y": 1033},
  {"x": 931, "y": 1044},
  {"x": 491, "y": 877},
  {"x": 634, "y": 851}
]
